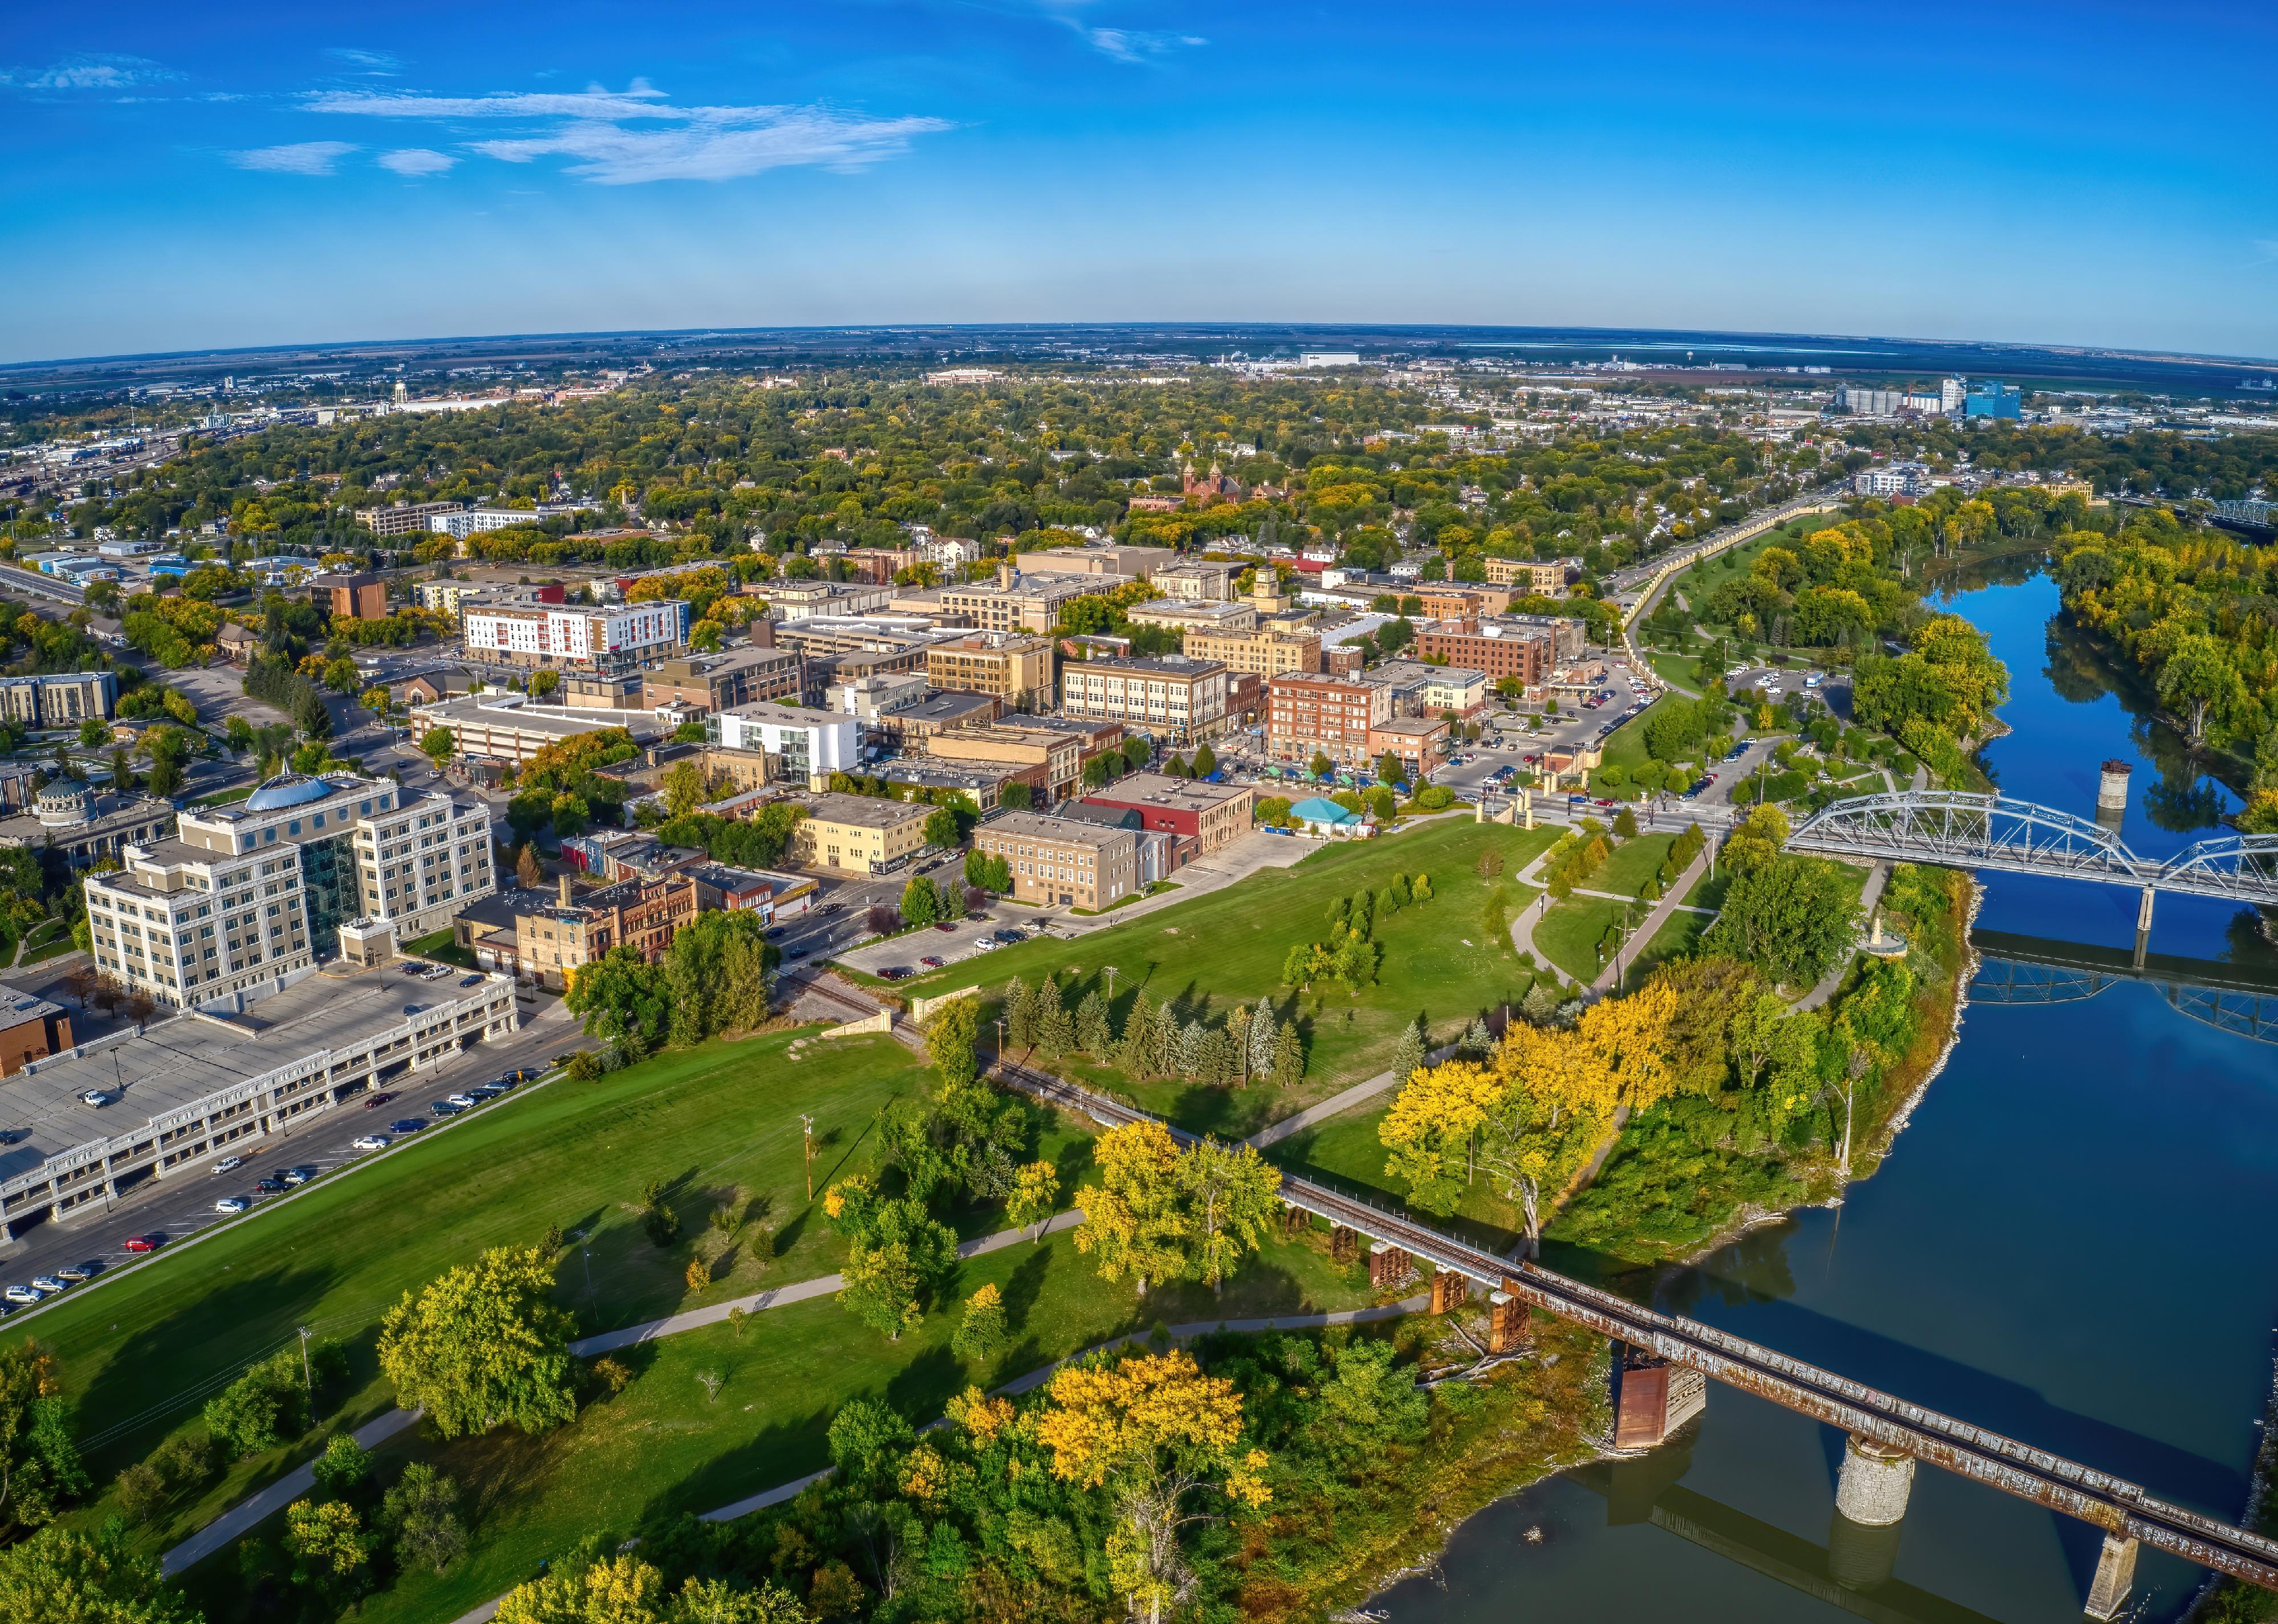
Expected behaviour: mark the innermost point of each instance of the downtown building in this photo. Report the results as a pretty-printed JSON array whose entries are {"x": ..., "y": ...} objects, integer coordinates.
[
  {"x": 243, "y": 898},
  {"x": 1307, "y": 715},
  {"x": 574, "y": 635}
]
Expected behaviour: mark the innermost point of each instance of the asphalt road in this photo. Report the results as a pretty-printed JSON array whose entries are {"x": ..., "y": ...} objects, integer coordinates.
[{"x": 182, "y": 1204}]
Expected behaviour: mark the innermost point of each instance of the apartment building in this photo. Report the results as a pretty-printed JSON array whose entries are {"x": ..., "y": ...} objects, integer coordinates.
[
  {"x": 1499, "y": 649},
  {"x": 575, "y": 635},
  {"x": 1058, "y": 755},
  {"x": 404, "y": 518},
  {"x": 250, "y": 894},
  {"x": 59, "y": 700},
  {"x": 1115, "y": 564},
  {"x": 350, "y": 596},
  {"x": 1062, "y": 860},
  {"x": 1213, "y": 815},
  {"x": 1452, "y": 688},
  {"x": 1016, "y": 670},
  {"x": 1198, "y": 581},
  {"x": 1267, "y": 652},
  {"x": 789, "y": 602},
  {"x": 1180, "y": 700},
  {"x": 1029, "y": 603},
  {"x": 812, "y": 743},
  {"x": 715, "y": 681},
  {"x": 1307, "y": 714},
  {"x": 1420, "y": 742},
  {"x": 858, "y": 834},
  {"x": 1182, "y": 614},
  {"x": 1533, "y": 577}
]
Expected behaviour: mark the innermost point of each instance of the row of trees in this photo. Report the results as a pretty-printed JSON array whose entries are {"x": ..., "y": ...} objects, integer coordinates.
[
  {"x": 1154, "y": 1041},
  {"x": 713, "y": 979}
]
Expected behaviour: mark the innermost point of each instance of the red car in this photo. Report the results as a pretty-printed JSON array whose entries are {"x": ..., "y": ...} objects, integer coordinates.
[
  {"x": 144, "y": 1243},
  {"x": 930, "y": 962},
  {"x": 373, "y": 1102},
  {"x": 945, "y": 927}
]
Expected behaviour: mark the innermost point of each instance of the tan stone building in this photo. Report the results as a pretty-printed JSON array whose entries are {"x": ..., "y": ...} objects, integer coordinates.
[
  {"x": 552, "y": 943},
  {"x": 1263, "y": 652},
  {"x": 1016, "y": 670},
  {"x": 858, "y": 834},
  {"x": 1533, "y": 577},
  {"x": 1060, "y": 755},
  {"x": 715, "y": 682},
  {"x": 1180, "y": 700},
  {"x": 1059, "y": 860}
]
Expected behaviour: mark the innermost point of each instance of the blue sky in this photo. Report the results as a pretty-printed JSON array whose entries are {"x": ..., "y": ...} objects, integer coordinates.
[{"x": 2086, "y": 173}]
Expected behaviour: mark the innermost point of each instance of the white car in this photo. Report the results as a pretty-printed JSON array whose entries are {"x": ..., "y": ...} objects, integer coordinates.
[
  {"x": 984, "y": 945},
  {"x": 370, "y": 1141},
  {"x": 94, "y": 1097},
  {"x": 229, "y": 1164},
  {"x": 48, "y": 1284},
  {"x": 20, "y": 1294},
  {"x": 464, "y": 1101},
  {"x": 232, "y": 1204}
]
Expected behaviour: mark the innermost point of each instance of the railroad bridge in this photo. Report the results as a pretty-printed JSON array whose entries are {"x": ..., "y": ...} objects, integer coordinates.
[
  {"x": 1954, "y": 829},
  {"x": 1668, "y": 1361},
  {"x": 2035, "y": 972}
]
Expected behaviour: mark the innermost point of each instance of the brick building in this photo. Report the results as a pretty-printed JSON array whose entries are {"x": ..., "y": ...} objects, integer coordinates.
[
  {"x": 1212, "y": 814},
  {"x": 1496, "y": 648},
  {"x": 1063, "y": 860},
  {"x": 1307, "y": 713},
  {"x": 351, "y": 597},
  {"x": 1016, "y": 670}
]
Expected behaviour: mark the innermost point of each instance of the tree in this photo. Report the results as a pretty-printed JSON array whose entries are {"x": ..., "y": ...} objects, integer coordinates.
[
  {"x": 1206, "y": 761},
  {"x": 1262, "y": 1037},
  {"x": 1792, "y": 917},
  {"x": 39, "y": 1463},
  {"x": 920, "y": 905},
  {"x": 622, "y": 998},
  {"x": 1408, "y": 1053},
  {"x": 1035, "y": 1197},
  {"x": 899, "y": 1257},
  {"x": 64, "y": 1575},
  {"x": 685, "y": 789},
  {"x": 715, "y": 976},
  {"x": 1319, "y": 767},
  {"x": 1093, "y": 1034},
  {"x": 627, "y": 1590},
  {"x": 330, "y": 1550},
  {"x": 421, "y": 1514},
  {"x": 980, "y": 1333},
  {"x": 482, "y": 1346},
  {"x": 952, "y": 1032},
  {"x": 542, "y": 684},
  {"x": 1233, "y": 1197},
  {"x": 941, "y": 828},
  {"x": 1137, "y": 1222},
  {"x": 1015, "y": 797},
  {"x": 1158, "y": 1434},
  {"x": 526, "y": 867}
]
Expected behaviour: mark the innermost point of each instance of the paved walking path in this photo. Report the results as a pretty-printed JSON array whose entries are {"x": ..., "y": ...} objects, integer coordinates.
[
  {"x": 1273, "y": 1133},
  {"x": 1610, "y": 979},
  {"x": 1832, "y": 982},
  {"x": 784, "y": 1296},
  {"x": 248, "y": 1513}
]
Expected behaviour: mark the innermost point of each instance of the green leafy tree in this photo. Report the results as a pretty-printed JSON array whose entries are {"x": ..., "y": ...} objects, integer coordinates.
[
  {"x": 952, "y": 1031},
  {"x": 68, "y": 1575},
  {"x": 980, "y": 1333},
  {"x": 1790, "y": 917},
  {"x": 482, "y": 1346},
  {"x": 685, "y": 789},
  {"x": 1232, "y": 1196},
  {"x": 920, "y": 905},
  {"x": 420, "y": 1513},
  {"x": 1015, "y": 797},
  {"x": 941, "y": 828},
  {"x": 40, "y": 1467},
  {"x": 622, "y": 998}
]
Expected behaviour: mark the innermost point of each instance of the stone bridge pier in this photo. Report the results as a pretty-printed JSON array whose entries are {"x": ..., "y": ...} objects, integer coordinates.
[{"x": 1870, "y": 1509}]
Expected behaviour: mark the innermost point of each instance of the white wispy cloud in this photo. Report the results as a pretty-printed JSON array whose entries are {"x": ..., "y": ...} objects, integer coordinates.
[
  {"x": 1132, "y": 44},
  {"x": 638, "y": 135},
  {"x": 300, "y": 158},
  {"x": 370, "y": 61},
  {"x": 412, "y": 161},
  {"x": 98, "y": 72}
]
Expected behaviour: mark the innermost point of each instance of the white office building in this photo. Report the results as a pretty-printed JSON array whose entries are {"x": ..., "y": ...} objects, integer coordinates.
[
  {"x": 814, "y": 745},
  {"x": 543, "y": 634}
]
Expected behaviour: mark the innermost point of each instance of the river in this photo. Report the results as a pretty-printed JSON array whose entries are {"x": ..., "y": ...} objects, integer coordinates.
[{"x": 2070, "y": 1243}]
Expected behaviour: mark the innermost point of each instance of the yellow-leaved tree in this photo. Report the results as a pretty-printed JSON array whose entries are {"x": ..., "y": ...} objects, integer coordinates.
[
  {"x": 1137, "y": 1221},
  {"x": 1156, "y": 1433}
]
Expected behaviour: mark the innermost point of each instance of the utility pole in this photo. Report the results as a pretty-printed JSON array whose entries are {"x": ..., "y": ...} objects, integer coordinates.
[
  {"x": 308, "y": 1382},
  {"x": 806, "y": 1128},
  {"x": 1111, "y": 972}
]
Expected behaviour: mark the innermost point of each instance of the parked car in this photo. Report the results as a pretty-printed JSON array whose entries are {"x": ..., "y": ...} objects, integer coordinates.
[
  {"x": 373, "y": 1102},
  {"x": 273, "y": 1184},
  {"x": 464, "y": 1101},
  {"x": 405, "y": 1125},
  {"x": 81, "y": 1271},
  {"x": 48, "y": 1284},
  {"x": 469, "y": 981},
  {"x": 931, "y": 962},
  {"x": 945, "y": 926},
  {"x": 150, "y": 1242},
  {"x": 229, "y": 1164},
  {"x": 22, "y": 1295},
  {"x": 444, "y": 1107},
  {"x": 370, "y": 1141},
  {"x": 232, "y": 1204},
  {"x": 985, "y": 944},
  {"x": 893, "y": 972},
  {"x": 94, "y": 1097},
  {"x": 301, "y": 1174}
]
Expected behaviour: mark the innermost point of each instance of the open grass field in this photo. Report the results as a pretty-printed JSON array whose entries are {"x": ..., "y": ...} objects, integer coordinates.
[
  {"x": 139, "y": 1355},
  {"x": 1207, "y": 955},
  {"x": 1568, "y": 935},
  {"x": 661, "y": 1447},
  {"x": 1634, "y": 862},
  {"x": 1679, "y": 937}
]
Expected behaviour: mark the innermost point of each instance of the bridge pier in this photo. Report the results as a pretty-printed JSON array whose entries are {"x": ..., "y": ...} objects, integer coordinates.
[
  {"x": 1388, "y": 1265},
  {"x": 1344, "y": 1244},
  {"x": 2115, "y": 1576},
  {"x": 1653, "y": 1398},
  {"x": 1449, "y": 1290},
  {"x": 1506, "y": 1323},
  {"x": 1872, "y": 1487},
  {"x": 2143, "y": 925}
]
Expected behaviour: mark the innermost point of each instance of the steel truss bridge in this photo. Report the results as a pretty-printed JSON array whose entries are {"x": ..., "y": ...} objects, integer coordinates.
[
  {"x": 2123, "y": 1509},
  {"x": 1955, "y": 829},
  {"x": 2031, "y": 970}
]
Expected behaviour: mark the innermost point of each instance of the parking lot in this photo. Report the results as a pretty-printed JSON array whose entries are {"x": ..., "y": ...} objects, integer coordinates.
[{"x": 948, "y": 944}]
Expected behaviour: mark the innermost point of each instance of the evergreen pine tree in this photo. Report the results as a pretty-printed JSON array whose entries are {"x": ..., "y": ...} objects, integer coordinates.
[
  {"x": 1408, "y": 1053},
  {"x": 1288, "y": 1056},
  {"x": 1263, "y": 1031},
  {"x": 1134, "y": 1054},
  {"x": 1476, "y": 1039},
  {"x": 1092, "y": 1035},
  {"x": 1019, "y": 1015},
  {"x": 1055, "y": 1030},
  {"x": 1237, "y": 1044}
]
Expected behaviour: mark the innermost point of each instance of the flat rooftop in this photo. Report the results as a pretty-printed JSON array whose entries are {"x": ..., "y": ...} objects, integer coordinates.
[{"x": 189, "y": 1057}]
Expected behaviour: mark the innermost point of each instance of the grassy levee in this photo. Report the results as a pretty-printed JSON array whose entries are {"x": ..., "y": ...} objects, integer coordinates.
[
  {"x": 661, "y": 1447},
  {"x": 1228, "y": 947},
  {"x": 139, "y": 1355}
]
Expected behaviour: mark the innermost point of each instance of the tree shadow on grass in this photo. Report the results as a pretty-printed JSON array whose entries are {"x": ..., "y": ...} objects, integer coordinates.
[
  {"x": 1024, "y": 1287},
  {"x": 923, "y": 1387},
  {"x": 162, "y": 1373}
]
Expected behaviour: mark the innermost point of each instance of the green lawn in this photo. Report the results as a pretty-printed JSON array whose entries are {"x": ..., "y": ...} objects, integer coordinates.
[
  {"x": 714, "y": 1120},
  {"x": 1214, "y": 951},
  {"x": 1633, "y": 863},
  {"x": 1682, "y": 669},
  {"x": 49, "y": 939},
  {"x": 1679, "y": 937},
  {"x": 441, "y": 945},
  {"x": 660, "y": 1448}
]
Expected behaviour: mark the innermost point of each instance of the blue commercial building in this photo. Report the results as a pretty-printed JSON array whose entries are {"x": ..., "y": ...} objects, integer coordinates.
[{"x": 1993, "y": 399}]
